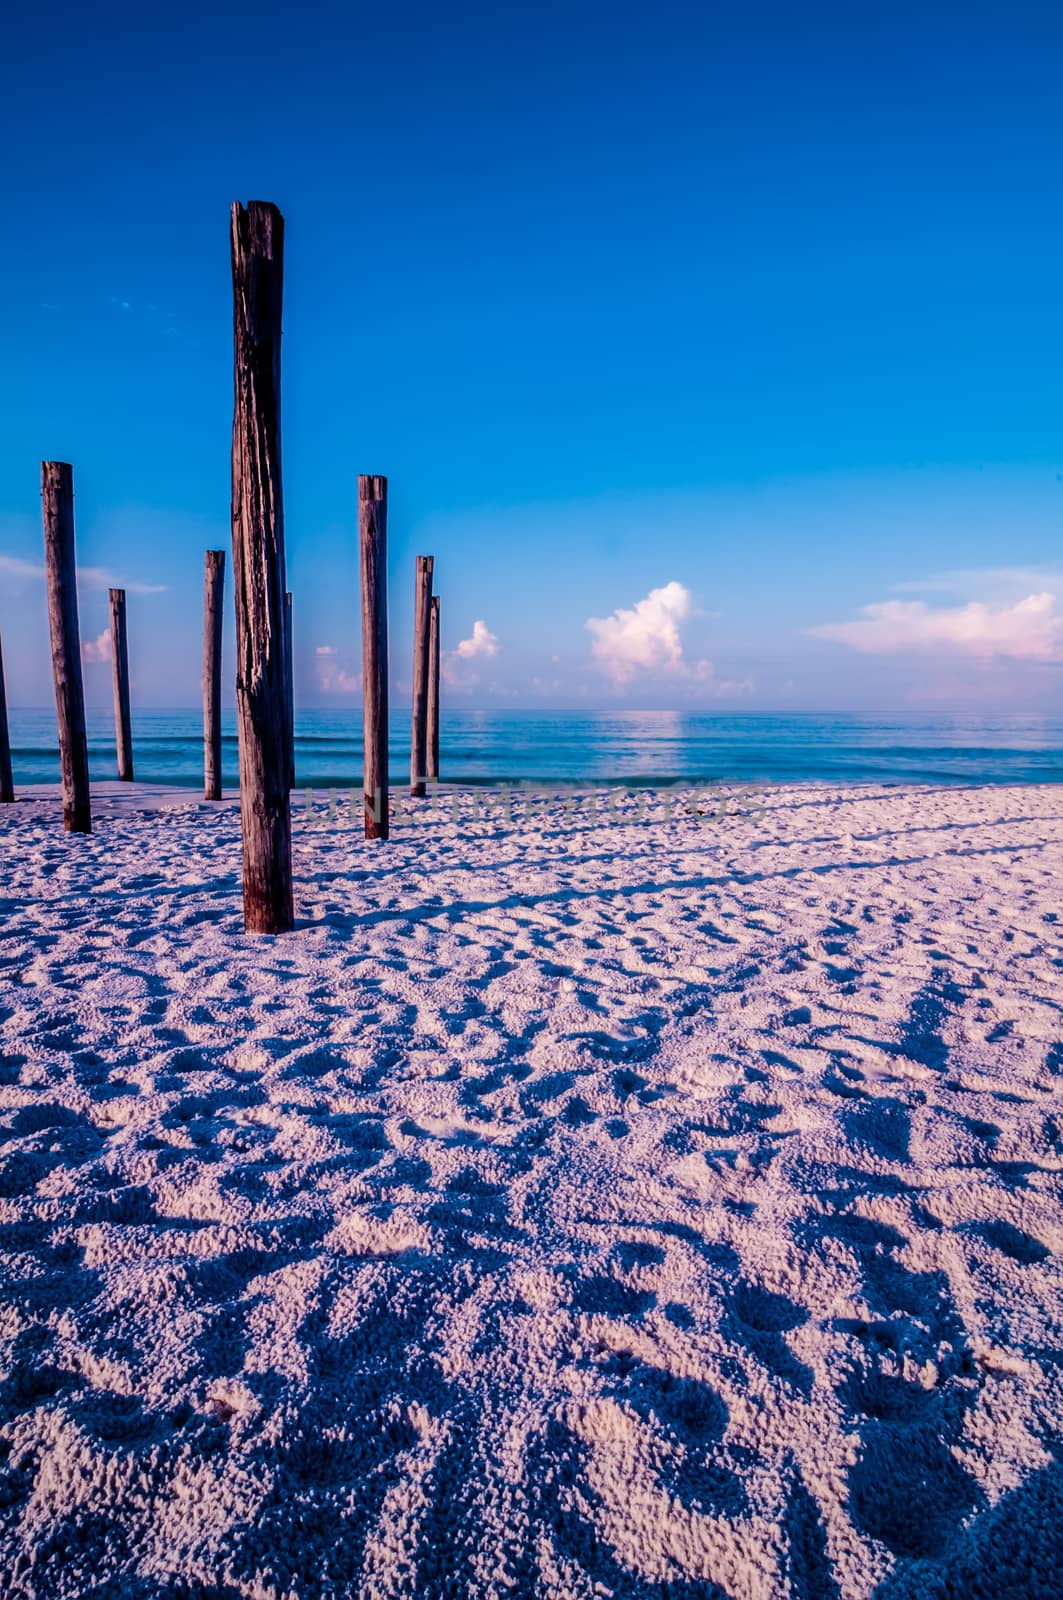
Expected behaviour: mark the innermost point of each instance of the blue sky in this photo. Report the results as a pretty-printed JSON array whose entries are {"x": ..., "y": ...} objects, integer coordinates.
[{"x": 715, "y": 353}]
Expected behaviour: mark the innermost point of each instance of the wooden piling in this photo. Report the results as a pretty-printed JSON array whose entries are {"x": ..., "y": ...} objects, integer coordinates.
[
  {"x": 373, "y": 543},
  {"x": 257, "y": 239},
  {"x": 57, "y": 501},
  {"x": 289, "y": 687},
  {"x": 123, "y": 729},
  {"x": 7, "y": 784},
  {"x": 432, "y": 744},
  {"x": 422, "y": 607},
  {"x": 213, "y": 591}
]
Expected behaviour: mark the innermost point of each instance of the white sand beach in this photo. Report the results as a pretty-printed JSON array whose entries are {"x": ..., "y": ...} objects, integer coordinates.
[{"x": 568, "y": 1208}]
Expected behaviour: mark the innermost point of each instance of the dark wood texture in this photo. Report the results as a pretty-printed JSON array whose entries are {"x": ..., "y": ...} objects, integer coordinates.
[
  {"x": 289, "y": 687},
  {"x": 123, "y": 727},
  {"x": 7, "y": 783},
  {"x": 422, "y": 609},
  {"x": 57, "y": 503},
  {"x": 259, "y": 568},
  {"x": 213, "y": 593},
  {"x": 373, "y": 544},
  {"x": 432, "y": 743}
]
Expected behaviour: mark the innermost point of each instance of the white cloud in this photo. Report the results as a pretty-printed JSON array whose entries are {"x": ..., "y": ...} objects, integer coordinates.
[
  {"x": 646, "y": 637},
  {"x": 1030, "y": 630},
  {"x": 15, "y": 567},
  {"x": 988, "y": 583},
  {"x": 101, "y": 578},
  {"x": 331, "y": 677},
  {"x": 98, "y": 649},
  {"x": 731, "y": 688},
  {"x": 482, "y": 643},
  {"x": 90, "y": 577}
]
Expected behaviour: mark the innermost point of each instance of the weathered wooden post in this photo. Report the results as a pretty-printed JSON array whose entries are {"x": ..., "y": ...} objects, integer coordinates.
[
  {"x": 373, "y": 543},
  {"x": 7, "y": 784},
  {"x": 422, "y": 607},
  {"x": 57, "y": 500},
  {"x": 213, "y": 590},
  {"x": 289, "y": 687},
  {"x": 433, "y": 691},
  {"x": 123, "y": 729},
  {"x": 257, "y": 238}
]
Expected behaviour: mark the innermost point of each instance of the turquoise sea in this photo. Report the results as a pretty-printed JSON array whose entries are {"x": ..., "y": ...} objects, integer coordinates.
[{"x": 612, "y": 747}]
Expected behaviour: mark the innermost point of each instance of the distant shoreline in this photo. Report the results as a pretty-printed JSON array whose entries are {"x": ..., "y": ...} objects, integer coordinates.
[{"x": 524, "y": 798}]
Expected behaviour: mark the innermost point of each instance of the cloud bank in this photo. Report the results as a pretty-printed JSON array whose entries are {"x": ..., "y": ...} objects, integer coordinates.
[
  {"x": 91, "y": 577},
  {"x": 1029, "y": 630}
]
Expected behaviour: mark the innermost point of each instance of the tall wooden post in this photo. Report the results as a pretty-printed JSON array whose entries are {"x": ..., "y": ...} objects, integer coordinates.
[
  {"x": 123, "y": 730},
  {"x": 57, "y": 501},
  {"x": 7, "y": 785},
  {"x": 289, "y": 687},
  {"x": 373, "y": 542},
  {"x": 422, "y": 607},
  {"x": 257, "y": 237},
  {"x": 433, "y": 691},
  {"x": 213, "y": 590}
]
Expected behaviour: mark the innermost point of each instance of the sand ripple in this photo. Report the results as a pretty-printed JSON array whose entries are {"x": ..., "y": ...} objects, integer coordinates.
[{"x": 642, "y": 1209}]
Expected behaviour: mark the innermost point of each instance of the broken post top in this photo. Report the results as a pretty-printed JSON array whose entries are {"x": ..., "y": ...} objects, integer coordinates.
[
  {"x": 117, "y": 596},
  {"x": 57, "y": 495},
  {"x": 371, "y": 486},
  {"x": 259, "y": 227},
  {"x": 426, "y": 564},
  {"x": 59, "y": 473},
  {"x": 257, "y": 240}
]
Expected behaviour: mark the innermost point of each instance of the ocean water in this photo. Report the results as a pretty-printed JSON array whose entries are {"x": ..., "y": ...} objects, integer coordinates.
[{"x": 614, "y": 747}]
